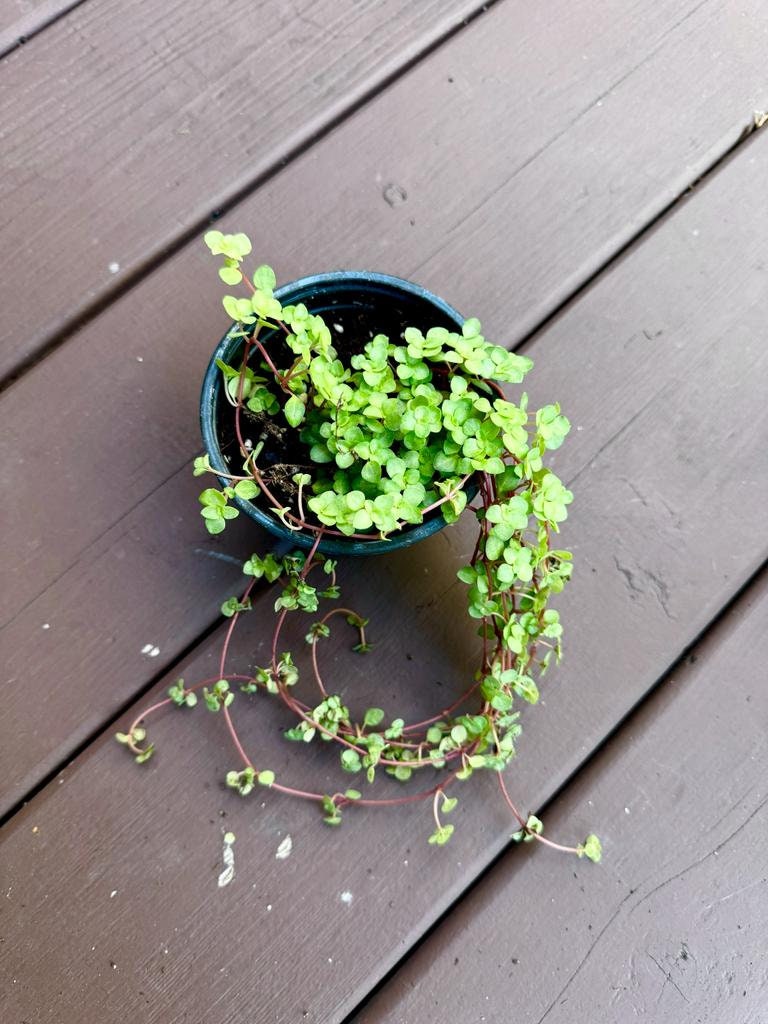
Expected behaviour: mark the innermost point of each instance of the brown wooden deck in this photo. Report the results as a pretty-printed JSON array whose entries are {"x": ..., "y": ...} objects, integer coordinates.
[{"x": 586, "y": 179}]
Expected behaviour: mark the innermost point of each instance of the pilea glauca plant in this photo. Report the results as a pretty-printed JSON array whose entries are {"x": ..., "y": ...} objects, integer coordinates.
[{"x": 379, "y": 436}]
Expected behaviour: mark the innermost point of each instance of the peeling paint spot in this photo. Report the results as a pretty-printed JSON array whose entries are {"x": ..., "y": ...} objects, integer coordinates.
[
  {"x": 46, "y": 625},
  {"x": 394, "y": 194},
  {"x": 346, "y": 897},
  {"x": 284, "y": 849},
  {"x": 114, "y": 268},
  {"x": 228, "y": 856}
]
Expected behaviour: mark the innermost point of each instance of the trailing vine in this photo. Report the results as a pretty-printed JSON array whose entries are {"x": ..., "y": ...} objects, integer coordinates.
[{"x": 401, "y": 432}]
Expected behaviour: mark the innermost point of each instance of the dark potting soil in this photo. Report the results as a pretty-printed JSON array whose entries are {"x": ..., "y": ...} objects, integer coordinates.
[{"x": 352, "y": 322}]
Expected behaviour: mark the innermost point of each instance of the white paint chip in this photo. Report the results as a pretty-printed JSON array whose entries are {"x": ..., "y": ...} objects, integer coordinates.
[
  {"x": 139, "y": 359},
  {"x": 113, "y": 894},
  {"x": 150, "y": 650},
  {"x": 269, "y": 906},
  {"x": 114, "y": 268},
  {"x": 46, "y": 625},
  {"x": 228, "y": 856},
  {"x": 284, "y": 849},
  {"x": 346, "y": 897}
]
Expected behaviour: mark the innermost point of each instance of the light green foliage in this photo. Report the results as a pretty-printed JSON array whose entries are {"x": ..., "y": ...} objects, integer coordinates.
[
  {"x": 395, "y": 431},
  {"x": 219, "y": 696},
  {"x": 533, "y": 827},
  {"x": 591, "y": 848},
  {"x": 232, "y": 606},
  {"x": 215, "y": 510},
  {"x": 441, "y": 835},
  {"x": 182, "y": 697},
  {"x": 133, "y": 740},
  {"x": 398, "y": 428}
]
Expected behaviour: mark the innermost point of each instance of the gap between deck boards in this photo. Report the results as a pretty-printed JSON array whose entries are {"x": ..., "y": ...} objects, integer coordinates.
[
  {"x": 396, "y": 991},
  {"x": 719, "y": 162},
  {"x": 26, "y": 26},
  {"x": 754, "y": 585},
  {"x": 647, "y": 617},
  {"x": 83, "y": 742},
  {"x": 159, "y": 253}
]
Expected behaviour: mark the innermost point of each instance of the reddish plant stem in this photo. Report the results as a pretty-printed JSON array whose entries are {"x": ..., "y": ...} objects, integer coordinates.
[
  {"x": 435, "y": 815},
  {"x": 446, "y": 497},
  {"x": 341, "y": 801},
  {"x": 447, "y": 711},
  {"x": 397, "y": 801},
  {"x": 235, "y": 738},
  {"x": 340, "y": 738},
  {"x": 523, "y": 822},
  {"x": 275, "y": 372},
  {"x": 233, "y": 622},
  {"x": 316, "y": 670},
  {"x": 167, "y": 700}
]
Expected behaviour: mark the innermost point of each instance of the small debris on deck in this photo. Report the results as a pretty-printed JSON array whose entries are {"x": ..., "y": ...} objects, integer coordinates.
[
  {"x": 284, "y": 849},
  {"x": 228, "y": 856},
  {"x": 150, "y": 650}
]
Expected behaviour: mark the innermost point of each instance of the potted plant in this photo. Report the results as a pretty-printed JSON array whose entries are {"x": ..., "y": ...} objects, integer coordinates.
[{"x": 349, "y": 414}]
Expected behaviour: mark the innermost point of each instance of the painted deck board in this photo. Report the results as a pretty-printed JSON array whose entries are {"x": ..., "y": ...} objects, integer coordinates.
[
  {"x": 22, "y": 19},
  {"x": 671, "y": 927},
  {"x": 633, "y": 105},
  {"x": 102, "y": 175},
  {"x": 135, "y": 436},
  {"x": 147, "y": 929}
]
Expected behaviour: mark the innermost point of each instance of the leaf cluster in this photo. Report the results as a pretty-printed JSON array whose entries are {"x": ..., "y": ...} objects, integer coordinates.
[{"x": 390, "y": 435}]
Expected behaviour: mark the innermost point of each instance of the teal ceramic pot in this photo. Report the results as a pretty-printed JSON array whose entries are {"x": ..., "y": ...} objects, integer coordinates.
[{"x": 355, "y": 302}]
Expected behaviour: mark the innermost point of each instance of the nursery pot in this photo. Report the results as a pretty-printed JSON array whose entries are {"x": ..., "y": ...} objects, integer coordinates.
[{"x": 352, "y": 303}]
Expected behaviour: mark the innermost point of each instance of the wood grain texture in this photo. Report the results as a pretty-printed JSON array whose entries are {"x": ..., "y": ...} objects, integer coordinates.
[
  {"x": 22, "y": 19},
  {"x": 665, "y": 529},
  {"x": 103, "y": 173},
  {"x": 671, "y": 927},
  {"x": 133, "y": 433},
  {"x": 634, "y": 104}
]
